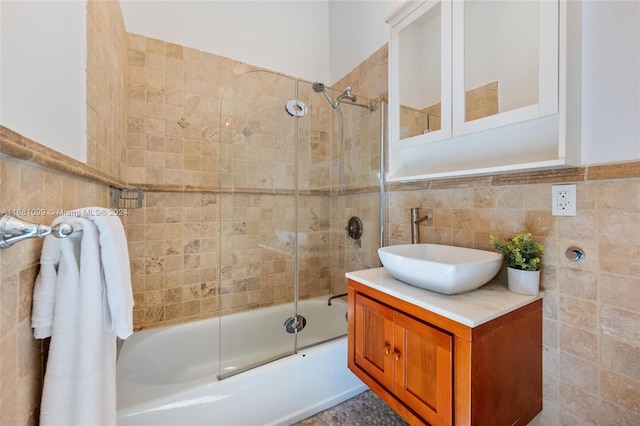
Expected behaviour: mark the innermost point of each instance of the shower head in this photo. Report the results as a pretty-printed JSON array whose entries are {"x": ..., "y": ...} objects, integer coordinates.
[{"x": 319, "y": 88}]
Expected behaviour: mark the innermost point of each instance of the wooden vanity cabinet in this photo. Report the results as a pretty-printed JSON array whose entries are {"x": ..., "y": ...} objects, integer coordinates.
[{"x": 433, "y": 370}]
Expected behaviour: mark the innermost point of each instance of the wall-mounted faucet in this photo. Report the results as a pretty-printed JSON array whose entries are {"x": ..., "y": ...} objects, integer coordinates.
[{"x": 415, "y": 224}]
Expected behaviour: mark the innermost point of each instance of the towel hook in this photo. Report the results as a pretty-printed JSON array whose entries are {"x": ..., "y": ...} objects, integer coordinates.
[{"x": 13, "y": 230}]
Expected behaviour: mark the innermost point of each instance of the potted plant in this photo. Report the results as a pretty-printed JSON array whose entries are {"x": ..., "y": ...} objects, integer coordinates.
[{"x": 521, "y": 253}]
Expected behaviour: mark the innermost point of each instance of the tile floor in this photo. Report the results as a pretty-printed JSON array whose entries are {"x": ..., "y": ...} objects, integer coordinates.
[{"x": 365, "y": 409}]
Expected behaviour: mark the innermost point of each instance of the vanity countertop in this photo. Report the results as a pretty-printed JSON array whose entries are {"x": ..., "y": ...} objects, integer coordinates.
[{"x": 471, "y": 309}]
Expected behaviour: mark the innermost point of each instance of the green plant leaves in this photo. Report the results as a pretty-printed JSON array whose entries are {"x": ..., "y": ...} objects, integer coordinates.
[{"x": 520, "y": 252}]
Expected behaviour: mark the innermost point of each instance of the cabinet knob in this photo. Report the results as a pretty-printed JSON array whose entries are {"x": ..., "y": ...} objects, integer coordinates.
[
  {"x": 387, "y": 349},
  {"x": 396, "y": 356}
]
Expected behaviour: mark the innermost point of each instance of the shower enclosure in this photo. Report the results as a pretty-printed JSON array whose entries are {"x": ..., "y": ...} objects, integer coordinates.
[{"x": 291, "y": 178}]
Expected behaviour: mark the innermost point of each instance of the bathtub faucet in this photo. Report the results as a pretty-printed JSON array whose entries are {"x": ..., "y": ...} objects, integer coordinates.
[{"x": 335, "y": 297}]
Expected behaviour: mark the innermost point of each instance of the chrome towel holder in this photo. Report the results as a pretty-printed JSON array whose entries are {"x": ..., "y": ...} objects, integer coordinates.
[{"x": 13, "y": 230}]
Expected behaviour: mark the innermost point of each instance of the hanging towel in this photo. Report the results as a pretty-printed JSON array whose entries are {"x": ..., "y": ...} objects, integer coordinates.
[{"x": 83, "y": 300}]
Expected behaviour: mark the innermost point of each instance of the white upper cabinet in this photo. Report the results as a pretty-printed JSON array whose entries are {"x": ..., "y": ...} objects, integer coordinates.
[{"x": 482, "y": 86}]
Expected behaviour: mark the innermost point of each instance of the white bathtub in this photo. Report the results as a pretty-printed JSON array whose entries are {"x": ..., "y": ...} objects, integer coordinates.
[{"x": 167, "y": 376}]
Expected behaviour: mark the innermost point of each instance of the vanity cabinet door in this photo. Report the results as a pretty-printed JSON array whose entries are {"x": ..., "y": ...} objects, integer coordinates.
[
  {"x": 423, "y": 370},
  {"x": 374, "y": 342}
]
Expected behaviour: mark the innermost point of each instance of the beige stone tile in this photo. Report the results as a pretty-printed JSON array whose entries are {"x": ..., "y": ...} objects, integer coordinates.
[
  {"x": 174, "y": 51},
  {"x": 581, "y": 343},
  {"x": 550, "y": 305},
  {"x": 578, "y": 313},
  {"x": 136, "y": 124},
  {"x": 614, "y": 415},
  {"x": 619, "y": 226},
  {"x": 137, "y": 42},
  {"x": 623, "y": 292},
  {"x": 620, "y": 357},
  {"x": 8, "y": 364},
  {"x": 155, "y": 143},
  {"x": 9, "y": 304},
  {"x": 609, "y": 193},
  {"x": 156, "y": 63},
  {"x": 136, "y": 58},
  {"x": 620, "y": 323},
  {"x": 611, "y": 255},
  {"x": 540, "y": 223},
  {"x": 579, "y": 403},
  {"x": 154, "y": 46},
  {"x": 577, "y": 283},
  {"x": 583, "y": 226},
  {"x": 578, "y": 372},
  {"x": 191, "y": 55},
  {"x": 620, "y": 390},
  {"x": 26, "y": 280}
]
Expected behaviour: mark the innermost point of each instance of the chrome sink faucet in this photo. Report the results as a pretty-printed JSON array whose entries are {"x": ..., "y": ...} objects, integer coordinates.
[{"x": 415, "y": 224}]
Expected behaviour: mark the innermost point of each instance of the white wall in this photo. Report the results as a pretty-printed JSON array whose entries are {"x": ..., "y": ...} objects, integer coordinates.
[
  {"x": 42, "y": 73},
  {"x": 285, "y": 36},
  {"x": 357, "y": 29},
  {"x": 610, "y": 81}
]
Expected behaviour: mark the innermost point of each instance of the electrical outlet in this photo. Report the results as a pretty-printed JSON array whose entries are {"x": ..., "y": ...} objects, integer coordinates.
[{"x": 563, "y": 200}]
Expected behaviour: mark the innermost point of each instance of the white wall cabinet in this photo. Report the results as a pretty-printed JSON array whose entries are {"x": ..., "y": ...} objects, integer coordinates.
[{"x": 479, "y": 87}]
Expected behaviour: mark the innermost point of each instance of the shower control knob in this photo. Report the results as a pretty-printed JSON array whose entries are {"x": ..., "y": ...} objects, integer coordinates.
[{"x": 354, "y": 228}]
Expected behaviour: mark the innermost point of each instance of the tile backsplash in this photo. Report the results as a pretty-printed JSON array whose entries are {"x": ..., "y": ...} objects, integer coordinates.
[{"x": 591, "y": 308}]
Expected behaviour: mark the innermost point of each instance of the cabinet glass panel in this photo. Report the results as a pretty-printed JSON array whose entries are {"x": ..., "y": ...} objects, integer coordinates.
[
  {"x": 501, "y": 56},
  {"x": 420, "y": 76}
]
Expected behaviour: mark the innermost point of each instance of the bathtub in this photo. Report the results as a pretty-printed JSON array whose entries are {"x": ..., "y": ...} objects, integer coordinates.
[{"x": 168, "y": 376}]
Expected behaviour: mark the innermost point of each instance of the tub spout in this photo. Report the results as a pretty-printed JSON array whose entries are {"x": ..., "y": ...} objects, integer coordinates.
[{"x": 335, "y": 297}]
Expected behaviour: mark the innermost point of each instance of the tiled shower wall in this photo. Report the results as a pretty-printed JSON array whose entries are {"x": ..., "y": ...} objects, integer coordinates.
[
  {"x": 237, "y": 254},
  {"x": 362, "y": 169}
]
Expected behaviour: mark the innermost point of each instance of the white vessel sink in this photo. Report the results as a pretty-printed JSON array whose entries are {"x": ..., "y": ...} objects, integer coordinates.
[{"x": 441, "y": 268}]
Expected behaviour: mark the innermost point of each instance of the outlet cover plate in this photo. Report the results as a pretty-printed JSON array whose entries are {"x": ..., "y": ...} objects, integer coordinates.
[{"x": 563, "y": 200}]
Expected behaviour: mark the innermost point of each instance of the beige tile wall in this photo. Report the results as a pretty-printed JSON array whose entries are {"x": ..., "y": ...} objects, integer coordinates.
[
  {"x": 173, "y": 246},
  {"x": 173, "y": 112},
  {"x": 27, "y": 186},
  {"x": 106, "y": 94}
]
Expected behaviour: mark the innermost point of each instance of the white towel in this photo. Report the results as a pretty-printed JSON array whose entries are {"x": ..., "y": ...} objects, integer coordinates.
[{"x": 83, "y": 299}]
